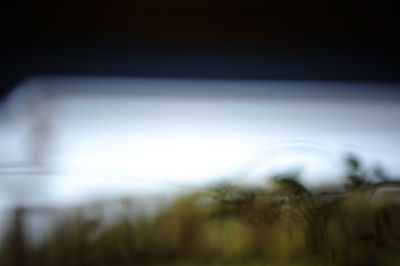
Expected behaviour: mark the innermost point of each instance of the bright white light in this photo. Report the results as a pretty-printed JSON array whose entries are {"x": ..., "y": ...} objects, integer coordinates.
[
  {"x": 143, "y": 138},
  {"x": 178, "y": 158}
]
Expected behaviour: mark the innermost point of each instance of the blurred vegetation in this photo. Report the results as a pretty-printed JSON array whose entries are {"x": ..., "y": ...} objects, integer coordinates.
[{"x": 282, "y": 224}]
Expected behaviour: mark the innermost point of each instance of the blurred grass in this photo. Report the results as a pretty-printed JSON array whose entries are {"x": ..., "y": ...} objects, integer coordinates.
[{"x": 282, "y": 224}]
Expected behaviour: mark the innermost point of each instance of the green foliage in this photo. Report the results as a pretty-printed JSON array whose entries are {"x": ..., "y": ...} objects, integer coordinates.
[{"x": 284, "y": 224}]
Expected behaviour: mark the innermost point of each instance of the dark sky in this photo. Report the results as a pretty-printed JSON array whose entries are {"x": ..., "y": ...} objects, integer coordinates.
[
  {"x": 218, "y": 39},
  {"x": 204, "y": 19}
]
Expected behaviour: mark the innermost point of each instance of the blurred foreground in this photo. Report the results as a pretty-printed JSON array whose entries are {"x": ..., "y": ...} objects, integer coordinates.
[{"x": 280, "y": 224}]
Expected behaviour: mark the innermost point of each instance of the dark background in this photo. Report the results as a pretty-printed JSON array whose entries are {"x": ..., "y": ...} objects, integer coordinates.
[{"x": 331, "y": 40}]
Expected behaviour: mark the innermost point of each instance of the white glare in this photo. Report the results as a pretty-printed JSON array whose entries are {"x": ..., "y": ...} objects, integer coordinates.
[{"x": 110, "y": 136}]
